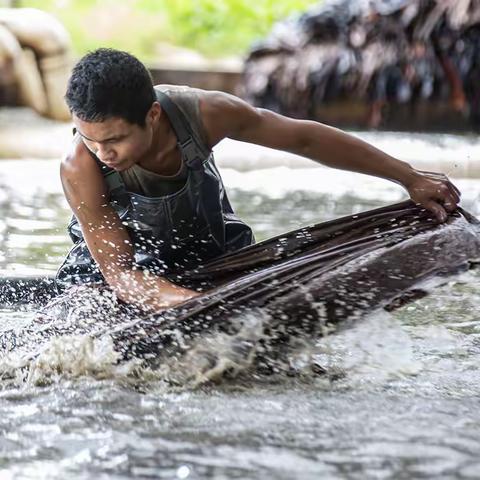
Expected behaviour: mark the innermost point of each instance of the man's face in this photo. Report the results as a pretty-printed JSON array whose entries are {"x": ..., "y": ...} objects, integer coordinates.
[{"x": 116, "y": 142}]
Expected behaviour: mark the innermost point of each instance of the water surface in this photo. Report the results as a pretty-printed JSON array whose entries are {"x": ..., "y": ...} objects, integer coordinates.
[{"x": 400, "y": 398}]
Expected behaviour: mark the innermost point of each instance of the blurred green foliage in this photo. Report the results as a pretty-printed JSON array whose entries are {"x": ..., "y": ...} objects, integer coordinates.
[{"x": 212, "y": 27}]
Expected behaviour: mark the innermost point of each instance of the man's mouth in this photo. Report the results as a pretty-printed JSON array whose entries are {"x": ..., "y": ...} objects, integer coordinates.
[{"x": 111, "y": 163}]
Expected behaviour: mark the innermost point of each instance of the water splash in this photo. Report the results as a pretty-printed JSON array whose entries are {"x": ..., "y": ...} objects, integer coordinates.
[{"x": 69, "y": 338}]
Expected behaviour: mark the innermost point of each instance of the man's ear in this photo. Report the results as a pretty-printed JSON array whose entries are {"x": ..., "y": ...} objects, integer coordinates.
[{"x": 154, "y": 113}]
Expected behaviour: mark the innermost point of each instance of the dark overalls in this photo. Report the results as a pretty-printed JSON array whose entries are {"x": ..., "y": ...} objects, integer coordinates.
[{"x": 170, "y": 233}]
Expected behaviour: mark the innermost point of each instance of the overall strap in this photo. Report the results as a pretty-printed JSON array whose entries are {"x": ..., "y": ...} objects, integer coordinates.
[
  {"x": 187, "y": 143},
  {"x": 194, "y": 156}
]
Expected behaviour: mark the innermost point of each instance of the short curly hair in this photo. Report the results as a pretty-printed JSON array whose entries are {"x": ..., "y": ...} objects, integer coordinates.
[{"x": 110, "y": 83}]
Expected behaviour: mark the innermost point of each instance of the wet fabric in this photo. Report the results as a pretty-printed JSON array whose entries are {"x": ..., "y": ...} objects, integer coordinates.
[
  {"x": 173, "y": 232},
  {"x": 310, "y": 278},
  {"x": 298, "y": 284}
]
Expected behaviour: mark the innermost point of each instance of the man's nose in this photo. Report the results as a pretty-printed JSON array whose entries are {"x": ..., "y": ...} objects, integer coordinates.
[{"x": 103, "y": 152}]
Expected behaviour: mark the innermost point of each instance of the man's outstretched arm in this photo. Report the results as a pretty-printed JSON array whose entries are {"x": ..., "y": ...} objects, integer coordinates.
[{"x": 228, "y": 116}]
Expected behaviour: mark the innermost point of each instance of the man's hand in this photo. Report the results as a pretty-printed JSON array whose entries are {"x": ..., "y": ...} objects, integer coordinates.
[
  {"x": 152, "y": 294},
  {"x": 148, "y": 292},
  {"x": 435, "y": 192}
]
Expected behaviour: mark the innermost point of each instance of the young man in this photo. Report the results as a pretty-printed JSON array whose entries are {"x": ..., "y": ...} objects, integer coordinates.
[{"x": 145, "y": 192}]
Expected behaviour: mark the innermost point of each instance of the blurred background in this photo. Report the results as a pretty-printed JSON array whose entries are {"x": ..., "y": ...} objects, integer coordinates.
[
  {"x": 202, "y": 44},
  {"x": 388, "y": 64},
  {"x": 213, "y": 28},
  {"x": 181, "y": 35}
]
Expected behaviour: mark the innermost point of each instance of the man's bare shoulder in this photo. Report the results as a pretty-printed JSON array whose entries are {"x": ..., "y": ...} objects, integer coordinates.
[
  {"x": 209, "y": 100},
  {"x": 224, "y": 114},
  {"x": 165, "y": 87},
  {"x": 82, "y": 180},
  {"x": 219, "y": 111},
  {"x": 77, "y": 160}
]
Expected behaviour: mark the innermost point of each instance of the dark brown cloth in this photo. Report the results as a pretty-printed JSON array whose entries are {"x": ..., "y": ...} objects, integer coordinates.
[
  {"x": 315, "y": 276},
  {"x": 296, "y": 284}
]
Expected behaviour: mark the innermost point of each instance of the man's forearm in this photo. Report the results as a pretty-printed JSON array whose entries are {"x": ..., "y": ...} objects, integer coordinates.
[{"x": 334, "y": 148}]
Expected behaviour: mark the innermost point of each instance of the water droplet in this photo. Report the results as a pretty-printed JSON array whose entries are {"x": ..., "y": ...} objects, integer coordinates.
[{"x": 183, "y": 472}]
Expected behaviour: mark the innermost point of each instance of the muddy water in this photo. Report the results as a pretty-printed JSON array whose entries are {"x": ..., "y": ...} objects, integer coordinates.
[{"x": 399, "y": 399}]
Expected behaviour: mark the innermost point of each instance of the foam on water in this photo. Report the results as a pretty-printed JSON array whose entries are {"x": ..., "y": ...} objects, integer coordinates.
[
  {"x": 376, "y": 345},
  {"x": 71, "y": 337},
  {"x": 67, "y": 340}
]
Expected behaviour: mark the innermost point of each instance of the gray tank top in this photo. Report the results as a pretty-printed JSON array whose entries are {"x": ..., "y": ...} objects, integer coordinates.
[{"x": 150, "y": 184}]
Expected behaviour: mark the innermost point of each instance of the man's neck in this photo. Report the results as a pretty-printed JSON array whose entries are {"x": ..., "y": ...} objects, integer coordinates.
[{"x": 160, "y": 158}]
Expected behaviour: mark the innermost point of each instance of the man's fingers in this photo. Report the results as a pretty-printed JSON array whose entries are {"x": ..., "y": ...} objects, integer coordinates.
[
  {"x": 455, "y": 191},
  {"x": 450, "y": 201},
  {"x": 437, "y": 210},
  {"x": 445, "y": 195},
  {"x": 435, "y": 192},
  {"x": 459, "y": 193}
]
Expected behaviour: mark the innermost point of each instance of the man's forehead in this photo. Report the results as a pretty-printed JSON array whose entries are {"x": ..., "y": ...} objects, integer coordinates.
[{"x": 102, "y": 131}]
